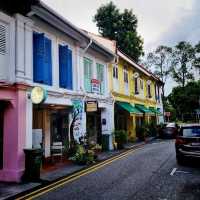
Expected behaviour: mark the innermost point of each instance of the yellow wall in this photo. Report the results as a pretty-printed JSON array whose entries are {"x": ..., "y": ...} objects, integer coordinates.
[{"x": 131, "y": 98}]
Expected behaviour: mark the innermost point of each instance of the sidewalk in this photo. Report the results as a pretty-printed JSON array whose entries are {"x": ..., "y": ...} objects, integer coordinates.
[{"x": 10, "y": 189}]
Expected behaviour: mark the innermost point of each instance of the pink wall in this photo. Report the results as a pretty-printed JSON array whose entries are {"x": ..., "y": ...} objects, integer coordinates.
[{"x": 14, "y": 132}]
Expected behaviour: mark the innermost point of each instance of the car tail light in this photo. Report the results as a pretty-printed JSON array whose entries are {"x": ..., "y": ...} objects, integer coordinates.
[{"x": 180, "y": 141}]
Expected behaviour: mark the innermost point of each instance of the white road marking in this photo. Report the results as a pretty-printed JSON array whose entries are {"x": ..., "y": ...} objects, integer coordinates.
[
  {"x": 173, "y": 171},
  {"x": 183, "y": 172}
]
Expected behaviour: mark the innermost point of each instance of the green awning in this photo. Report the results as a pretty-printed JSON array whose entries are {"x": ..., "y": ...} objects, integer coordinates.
[
  {"x": 144, "y": 109},
  {"x": 154, "y": 110},
  {"x": 128, "y": 107}
]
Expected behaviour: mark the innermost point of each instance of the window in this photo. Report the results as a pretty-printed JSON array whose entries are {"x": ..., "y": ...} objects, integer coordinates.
[
  {"x": 100, "y": 77},
  {"x": 115, "y": 72},
  {"x": 141, "y": 84},
  {"x": 42, "y": 59},
  {"x": 158, "y": 94},
  {"x": 87, "y": 74},
  {"x": 65, "y": 67},
  {"x": 149, "y": 90},
  {"x": 2, "y": 39},
  {"x": 125, "y": 75},
  {"x": 136, "y": 85}
]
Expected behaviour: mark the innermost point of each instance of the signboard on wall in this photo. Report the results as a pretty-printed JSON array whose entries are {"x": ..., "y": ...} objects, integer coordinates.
[
  {"x": 38, "y": 95},
  {"x": 78, "y": 119},
  {"x": 91, "y": 106},
  {"x": 95, "y": 86}
]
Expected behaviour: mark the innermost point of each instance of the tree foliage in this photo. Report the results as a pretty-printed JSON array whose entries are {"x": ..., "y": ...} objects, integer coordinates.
[
  {"x": 185, "y": 99},
  {"x": 120, "y": 26},
  {"x": 183, "y": 57},
  {"x": 160, "y": 61}
]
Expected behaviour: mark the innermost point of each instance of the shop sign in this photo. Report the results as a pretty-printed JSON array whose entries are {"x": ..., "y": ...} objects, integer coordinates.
[
  {"x": 95, "y": 86},
  {"x": 91, "y": 106},
  {"x": 38, "y": 95}
]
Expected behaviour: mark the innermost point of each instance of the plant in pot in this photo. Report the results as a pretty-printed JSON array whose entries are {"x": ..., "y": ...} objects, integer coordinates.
[
  {"x": 143, "y": 131},
  {"x": 120, "y": 138}
]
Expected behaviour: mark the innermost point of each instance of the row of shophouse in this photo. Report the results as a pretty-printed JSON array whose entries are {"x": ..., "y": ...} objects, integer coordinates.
[{"x": 76, "y": 73}]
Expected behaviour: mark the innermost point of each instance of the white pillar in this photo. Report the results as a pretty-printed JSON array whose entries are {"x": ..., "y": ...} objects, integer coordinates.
[
  {"x": 20, "y": 65},
  {"x": 28, "y": 48},
  {"x": 108, "y": 114},
  {"x": 29, "y": 121}
]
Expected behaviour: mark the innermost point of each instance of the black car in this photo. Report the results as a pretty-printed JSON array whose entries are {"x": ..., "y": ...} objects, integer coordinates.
[
  {"x": 170, "y": 131},
  {"x": 188, "y": 143}
]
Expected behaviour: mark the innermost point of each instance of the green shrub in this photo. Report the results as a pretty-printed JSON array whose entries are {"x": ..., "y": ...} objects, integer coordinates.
[
  {"x": 143, "y": 131},
  {"x": 83, "y": 156},
  {"x": 121, "y": 137}
]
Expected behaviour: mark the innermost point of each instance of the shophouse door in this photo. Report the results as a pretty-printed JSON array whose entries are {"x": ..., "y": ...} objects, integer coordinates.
[
  {"x": 94, "y": 127},
  {"x": 2, "y": 107},
  {"x": 59, "y": 127}
]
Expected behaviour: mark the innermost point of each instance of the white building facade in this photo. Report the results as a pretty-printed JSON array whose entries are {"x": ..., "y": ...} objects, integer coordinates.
[{"x": 51, "y": 53}]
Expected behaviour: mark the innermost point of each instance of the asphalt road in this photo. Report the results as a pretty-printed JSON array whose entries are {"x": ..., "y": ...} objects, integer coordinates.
[{"x": 142, "y": 175}]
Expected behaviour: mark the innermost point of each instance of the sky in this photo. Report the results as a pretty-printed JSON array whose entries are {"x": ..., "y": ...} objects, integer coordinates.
[{"x": 160, "y": 22}]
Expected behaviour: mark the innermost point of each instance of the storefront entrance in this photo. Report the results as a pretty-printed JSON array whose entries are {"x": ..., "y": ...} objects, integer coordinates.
[
  {"x": 60, "y": 127},
  {"x": 93, "y": 126},
  {"x": 2, "y": 107},
  {"x": 53, "y": 123}
]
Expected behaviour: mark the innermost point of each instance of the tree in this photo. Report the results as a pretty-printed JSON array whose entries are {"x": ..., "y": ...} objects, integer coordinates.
[
  {"x": 185, "y": 99},
  {"x": 160, "y": 61},
  {"x": 121, "y": 27},
  {"x": 183, "y": 57}
]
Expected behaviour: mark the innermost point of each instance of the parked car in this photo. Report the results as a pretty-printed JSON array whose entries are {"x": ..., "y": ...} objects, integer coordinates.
[
  {"x": 170, "y": 131},
  {"x": 187, "y": 143}
]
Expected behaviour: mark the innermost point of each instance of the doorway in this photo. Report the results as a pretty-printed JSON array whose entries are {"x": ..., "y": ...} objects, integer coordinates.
[
  {"x": 60, "y": 127},
  {"x": 93, "y": 124},
  {"x": 2, "y": 109}
]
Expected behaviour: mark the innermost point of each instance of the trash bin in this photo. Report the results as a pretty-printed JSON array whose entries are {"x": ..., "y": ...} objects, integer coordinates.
[
  {"x": 33, "y": 161},
  {"x": 105, "y": 142}
]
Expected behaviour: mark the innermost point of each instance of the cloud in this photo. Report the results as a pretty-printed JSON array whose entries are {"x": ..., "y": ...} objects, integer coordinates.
[{"x": 185, "y": 28}]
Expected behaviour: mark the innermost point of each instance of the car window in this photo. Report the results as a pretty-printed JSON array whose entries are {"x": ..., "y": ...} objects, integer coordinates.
[
  {"x": 171, "y": 125},
  {"x": 191, "y": 132}
]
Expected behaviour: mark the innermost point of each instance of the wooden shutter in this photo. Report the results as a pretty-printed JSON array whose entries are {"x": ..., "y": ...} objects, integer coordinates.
[
  {"x": 38, "y": 57},
  {"x": 63, "y": 50},
  {"x": 100, "y": 77},
  {"x": 69, "y": 70},
  {"x": 87, "y": 74},
  {"x": 48, "y": 62},
  {"x": 2, "y": 39}
]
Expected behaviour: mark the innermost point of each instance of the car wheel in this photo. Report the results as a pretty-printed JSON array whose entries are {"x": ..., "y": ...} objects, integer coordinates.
[{"x": 180, "y": 160}]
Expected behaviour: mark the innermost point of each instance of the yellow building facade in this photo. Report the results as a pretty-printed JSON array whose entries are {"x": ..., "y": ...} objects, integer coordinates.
[{"x": 134, "y": 90}]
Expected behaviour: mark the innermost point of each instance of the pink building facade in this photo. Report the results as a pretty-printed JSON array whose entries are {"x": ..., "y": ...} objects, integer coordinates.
[{"x": 13, "y": 117}]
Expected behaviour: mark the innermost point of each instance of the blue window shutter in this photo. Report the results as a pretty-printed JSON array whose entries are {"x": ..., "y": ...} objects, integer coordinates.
[
  {"x": 38, "y": 57},
  {"x": 69, "y": 70},
  {"x": 48, "y": 62},
  {"x": 63, "y": 50}
]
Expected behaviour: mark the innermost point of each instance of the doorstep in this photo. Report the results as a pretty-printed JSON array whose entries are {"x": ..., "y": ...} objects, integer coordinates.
[{"x": 9, "y": 190}]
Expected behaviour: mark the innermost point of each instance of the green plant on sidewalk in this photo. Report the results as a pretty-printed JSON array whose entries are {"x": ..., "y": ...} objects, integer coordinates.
[{"x": 121, "y": 138}]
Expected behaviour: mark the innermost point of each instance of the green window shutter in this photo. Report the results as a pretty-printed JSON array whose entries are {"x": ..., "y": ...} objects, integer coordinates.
[
  {"x": 87, "y": 74},
  {"x": 100, "y": 77}
]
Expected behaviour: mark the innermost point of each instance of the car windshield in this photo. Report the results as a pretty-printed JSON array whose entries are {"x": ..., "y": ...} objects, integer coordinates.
[
  {"x": 191, "y": 132},
  {"x": 171, "y": 125}
]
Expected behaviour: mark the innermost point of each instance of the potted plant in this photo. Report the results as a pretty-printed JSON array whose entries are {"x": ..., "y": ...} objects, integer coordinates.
[{"x": 120, "y": 138}]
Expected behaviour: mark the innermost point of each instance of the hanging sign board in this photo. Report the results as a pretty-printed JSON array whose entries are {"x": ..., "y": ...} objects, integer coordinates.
[
  {"x": 91, "y": 106},
  {"x": 38, "y": 95},
  {"x": 95, "y": 86}
]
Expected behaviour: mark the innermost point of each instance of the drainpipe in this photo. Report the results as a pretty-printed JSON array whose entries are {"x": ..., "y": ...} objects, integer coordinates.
[{"x": 86, "y": 48}]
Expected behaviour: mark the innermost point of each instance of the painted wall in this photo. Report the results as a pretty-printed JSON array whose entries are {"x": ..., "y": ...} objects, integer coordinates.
[{"x": 14, "y": 132}]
